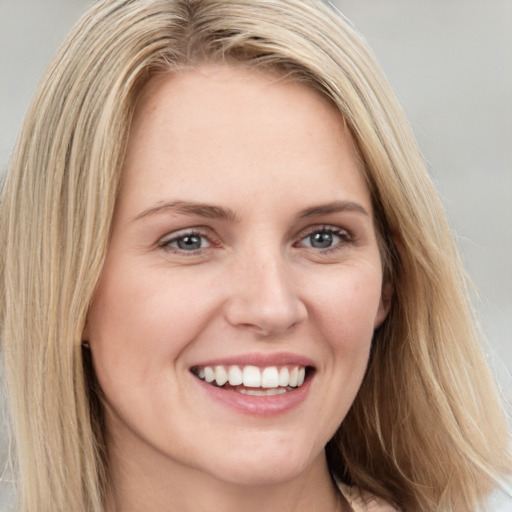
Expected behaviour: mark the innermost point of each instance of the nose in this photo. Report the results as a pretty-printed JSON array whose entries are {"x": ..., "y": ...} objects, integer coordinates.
[{"x": 263, "y": 296}]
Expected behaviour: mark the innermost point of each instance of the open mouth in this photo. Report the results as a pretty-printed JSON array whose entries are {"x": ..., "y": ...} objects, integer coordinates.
[{"x": 255, "y": 381}]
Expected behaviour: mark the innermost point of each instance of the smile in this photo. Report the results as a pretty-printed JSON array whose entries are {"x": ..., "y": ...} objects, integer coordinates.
[{"x": 253, "y": 380}]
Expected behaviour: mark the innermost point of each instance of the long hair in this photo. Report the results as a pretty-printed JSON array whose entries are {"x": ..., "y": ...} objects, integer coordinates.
[{"x": 426, "y": 430}]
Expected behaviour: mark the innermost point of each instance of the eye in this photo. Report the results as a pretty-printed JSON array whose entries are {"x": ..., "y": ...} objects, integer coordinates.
[
  {"x": 187, "y": 242},
  {"x": 325, "y": 238}
]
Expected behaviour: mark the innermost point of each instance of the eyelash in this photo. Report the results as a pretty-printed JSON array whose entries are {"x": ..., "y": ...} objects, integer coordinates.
[
  {"x": 343, "y": 234},
  {"x": 166, "y": 243}
]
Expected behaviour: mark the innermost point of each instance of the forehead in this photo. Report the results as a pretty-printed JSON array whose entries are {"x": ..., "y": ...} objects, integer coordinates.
[
  {"x": 206, "y": 87},
  {"x": 248, "y": 129}
]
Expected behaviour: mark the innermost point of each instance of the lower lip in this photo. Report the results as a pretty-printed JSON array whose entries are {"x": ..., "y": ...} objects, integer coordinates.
[{"x": 263, "y": 406}]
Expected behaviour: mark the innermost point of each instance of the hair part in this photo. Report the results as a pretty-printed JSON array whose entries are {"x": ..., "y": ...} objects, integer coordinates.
[{"x": 426, "y": 430}]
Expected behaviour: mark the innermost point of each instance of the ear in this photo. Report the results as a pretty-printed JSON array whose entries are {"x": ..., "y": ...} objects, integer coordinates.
[
  {"x": 384, "y": 304},
  {"x": 85, "y": 332}
]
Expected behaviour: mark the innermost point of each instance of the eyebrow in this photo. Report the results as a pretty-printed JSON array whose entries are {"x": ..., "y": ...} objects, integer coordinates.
[
  {"x": 333, "y": 207},
  {"x": 218, "y": 212},
  {"x": 191, "y": 208}
]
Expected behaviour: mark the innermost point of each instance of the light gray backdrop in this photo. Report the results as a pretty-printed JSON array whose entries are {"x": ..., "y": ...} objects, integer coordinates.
[{"x": 450, "y": 62}]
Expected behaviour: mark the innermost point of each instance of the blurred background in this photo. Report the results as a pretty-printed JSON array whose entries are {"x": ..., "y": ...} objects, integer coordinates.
[{"x": 450, "y": 63}]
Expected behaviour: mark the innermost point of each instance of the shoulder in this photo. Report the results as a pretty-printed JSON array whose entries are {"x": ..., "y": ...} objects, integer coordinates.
[{"x": 363, "y": 501}]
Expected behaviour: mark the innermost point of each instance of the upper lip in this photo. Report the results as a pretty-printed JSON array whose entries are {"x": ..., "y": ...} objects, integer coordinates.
[{"x": 258, "y": 359}]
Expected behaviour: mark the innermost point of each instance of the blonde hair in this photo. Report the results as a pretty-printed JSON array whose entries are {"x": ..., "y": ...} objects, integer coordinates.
[{"x": 426, "y": 431}]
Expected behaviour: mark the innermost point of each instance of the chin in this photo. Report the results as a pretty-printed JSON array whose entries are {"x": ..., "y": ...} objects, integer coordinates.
[{"x": 266, "y": 466}]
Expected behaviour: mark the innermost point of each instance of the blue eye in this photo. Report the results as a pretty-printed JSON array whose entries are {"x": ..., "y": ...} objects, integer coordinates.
[
  {"x": 321, "y": 240},
  {"x": 325, "y": 238},
  {"x": 188, "y": 242}
]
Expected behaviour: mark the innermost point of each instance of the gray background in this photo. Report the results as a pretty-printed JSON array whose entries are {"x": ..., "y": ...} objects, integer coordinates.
[{"x": 450, "y": 63}]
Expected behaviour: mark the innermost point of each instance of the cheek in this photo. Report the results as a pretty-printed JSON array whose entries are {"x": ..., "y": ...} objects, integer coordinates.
[
  {"x": 346, "y": 307},
  {"x": 139, "y": 323}
]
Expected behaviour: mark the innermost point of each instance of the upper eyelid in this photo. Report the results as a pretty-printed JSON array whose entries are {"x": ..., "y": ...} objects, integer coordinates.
[
  {"x": 322, "y": 227},
  {"x": 165, "y": 242},
  {"x": 196, "y": 230},
  {"x": 213, "y": 238}
]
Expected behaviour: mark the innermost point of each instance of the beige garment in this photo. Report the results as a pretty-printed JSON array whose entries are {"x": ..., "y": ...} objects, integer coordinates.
[{"x": 362, "y": 501}]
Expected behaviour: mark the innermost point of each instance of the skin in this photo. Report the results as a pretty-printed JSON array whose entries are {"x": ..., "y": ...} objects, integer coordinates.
[{"x": 265, "y": 150}]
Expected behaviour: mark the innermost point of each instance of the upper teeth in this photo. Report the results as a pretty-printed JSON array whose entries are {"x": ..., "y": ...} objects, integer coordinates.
[{"x": 252, "y": 376}]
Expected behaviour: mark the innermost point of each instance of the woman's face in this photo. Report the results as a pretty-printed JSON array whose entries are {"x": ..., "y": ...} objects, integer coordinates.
[{"x": 243, "y": 248}]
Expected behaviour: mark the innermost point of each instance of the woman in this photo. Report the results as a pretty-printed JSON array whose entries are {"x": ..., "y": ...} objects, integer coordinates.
[{"x": 227, "y": 281}]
